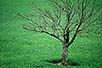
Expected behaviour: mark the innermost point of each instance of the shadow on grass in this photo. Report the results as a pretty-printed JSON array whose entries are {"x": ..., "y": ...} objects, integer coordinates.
[{"x": 70, "y": 62}]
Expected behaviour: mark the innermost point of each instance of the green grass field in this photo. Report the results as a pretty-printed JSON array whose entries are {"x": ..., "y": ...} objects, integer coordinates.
[{"x": 24, "y": 49}]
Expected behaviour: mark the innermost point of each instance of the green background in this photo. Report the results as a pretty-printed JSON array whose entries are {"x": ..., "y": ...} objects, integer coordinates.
[{"x": 24, "y": 49}]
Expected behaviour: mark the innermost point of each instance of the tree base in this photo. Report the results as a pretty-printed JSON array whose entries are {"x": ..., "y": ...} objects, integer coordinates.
[
  {"x": 65, "y": 64},
  {"x": 59, "y": 63}
]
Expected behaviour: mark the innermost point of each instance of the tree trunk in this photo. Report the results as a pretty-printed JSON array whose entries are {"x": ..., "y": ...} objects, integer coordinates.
[{"x": 65, "y": 54}]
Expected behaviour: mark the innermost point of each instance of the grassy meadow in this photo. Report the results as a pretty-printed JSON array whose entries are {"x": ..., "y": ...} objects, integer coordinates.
[{"x": 24, "y": 49}]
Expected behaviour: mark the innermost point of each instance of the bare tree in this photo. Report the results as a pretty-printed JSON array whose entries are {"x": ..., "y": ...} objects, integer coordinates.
[{"x": 64, "y": 21}]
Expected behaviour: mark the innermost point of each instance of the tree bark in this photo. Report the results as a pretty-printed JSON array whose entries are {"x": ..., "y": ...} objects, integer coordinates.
[{"x": 65, "y": 55}]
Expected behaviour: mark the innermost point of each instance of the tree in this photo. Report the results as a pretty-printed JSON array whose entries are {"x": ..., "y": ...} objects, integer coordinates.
[{"x": 64, "y": 21}]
